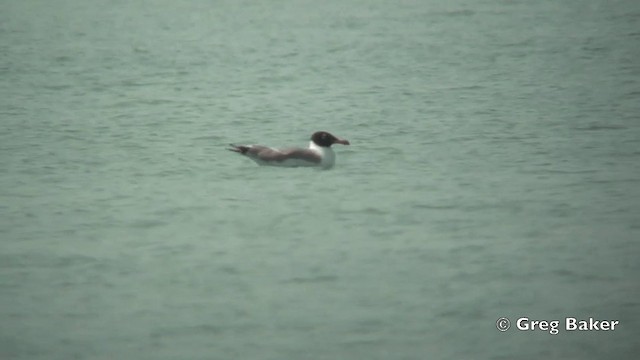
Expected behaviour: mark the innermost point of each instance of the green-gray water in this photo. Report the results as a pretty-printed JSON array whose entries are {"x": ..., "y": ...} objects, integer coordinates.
[{"x": 494, "y": 171}]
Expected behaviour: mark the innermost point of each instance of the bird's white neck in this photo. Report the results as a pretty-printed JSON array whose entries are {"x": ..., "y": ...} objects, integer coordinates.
[{"x": 326, "y": 153}]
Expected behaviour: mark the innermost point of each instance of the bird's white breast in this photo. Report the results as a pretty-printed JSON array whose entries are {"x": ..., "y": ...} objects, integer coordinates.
[{"x": 326, "y": 154}]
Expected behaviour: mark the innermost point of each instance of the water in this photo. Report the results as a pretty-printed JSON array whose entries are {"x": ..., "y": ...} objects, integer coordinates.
[{"x": 493, "y": 172}]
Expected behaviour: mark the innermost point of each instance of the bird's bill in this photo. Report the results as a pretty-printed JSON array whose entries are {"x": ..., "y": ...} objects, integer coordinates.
[{"x": 341, "y": 141}]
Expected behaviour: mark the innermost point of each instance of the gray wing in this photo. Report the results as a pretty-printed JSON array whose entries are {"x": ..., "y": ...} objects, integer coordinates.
[
  {"x": 267, "y": 154},
  {"x": 300, "y": 154}
]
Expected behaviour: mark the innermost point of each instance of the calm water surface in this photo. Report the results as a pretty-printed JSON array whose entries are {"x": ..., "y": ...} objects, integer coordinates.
[{"x": 493, "y": 172}]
